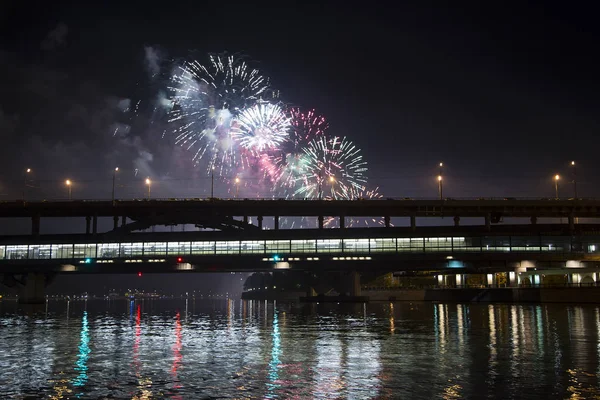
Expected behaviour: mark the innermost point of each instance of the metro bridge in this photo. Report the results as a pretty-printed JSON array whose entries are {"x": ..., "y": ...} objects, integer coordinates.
[
  {"x": 236, "y": 214},
  {"x": 238, "y": 245}
]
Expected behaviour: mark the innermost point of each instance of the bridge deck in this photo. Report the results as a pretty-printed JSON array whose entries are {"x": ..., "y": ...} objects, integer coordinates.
[{"x": 135, "y": 209}]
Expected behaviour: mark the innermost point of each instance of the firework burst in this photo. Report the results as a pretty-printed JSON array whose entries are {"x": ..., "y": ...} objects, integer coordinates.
[
  {"x": 261, "y": 127},
  {"x": 204, "y": 100},
  {"x": 331, "y": 168},
  {"x": 306, "y": 126}
]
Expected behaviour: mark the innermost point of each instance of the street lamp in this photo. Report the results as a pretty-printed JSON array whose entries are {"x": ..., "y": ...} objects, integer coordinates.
[
  {"x": 574, "y": 178},
  {"x": 149, "y": 183},
  {"x": 27, "y": 172},
  {"x": 440, "y": 179},
  {"x": 237, "y": 186},
  {"x": 212, "y": 182},
  {"x": 556, "y": 178},
  {"x": 113, "y": 185},
  {"x": 68, "y": 183},
  {"x": 332, "y": 181}
]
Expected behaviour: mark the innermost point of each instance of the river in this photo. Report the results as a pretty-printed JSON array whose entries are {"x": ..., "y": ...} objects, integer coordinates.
[{"x": 185, "y": 349}]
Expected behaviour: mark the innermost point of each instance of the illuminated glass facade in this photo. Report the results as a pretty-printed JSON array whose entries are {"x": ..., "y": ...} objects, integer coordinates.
[{"x": 364, "y": 246}]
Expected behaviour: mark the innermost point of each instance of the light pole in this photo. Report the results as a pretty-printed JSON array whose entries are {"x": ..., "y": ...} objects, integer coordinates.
[
  {"x": 556, "y": 178},
  {"x": 320, "y": 180},
  {"x": 113, "y": 185},
  {"x": 212, "y": 182},
  {"x": 27, "y": 172},
  {"x": 440, "y": 184},
  {"x": 237, "y": 186},
  {"x": 332, "y": 181},
  {"x": 574, "y": 178},
  {"x": 68, "y": 183},
  {"x": 149, "y": 183}
]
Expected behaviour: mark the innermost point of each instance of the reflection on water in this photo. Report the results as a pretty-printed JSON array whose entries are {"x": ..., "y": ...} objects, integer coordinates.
[
  {"x": 84, "y": 353},
  {"x": 256, "y": 349}
]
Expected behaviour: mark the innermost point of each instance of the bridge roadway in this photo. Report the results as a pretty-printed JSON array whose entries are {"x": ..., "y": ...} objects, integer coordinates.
[
  {"x": 234, "y": 213},
  {"x": 451, "y": 249}
]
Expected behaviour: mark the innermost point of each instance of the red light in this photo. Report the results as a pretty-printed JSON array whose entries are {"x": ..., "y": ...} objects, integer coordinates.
[
  {"x": 179, "y": 259},
  {"x": 139, "y": 274}
]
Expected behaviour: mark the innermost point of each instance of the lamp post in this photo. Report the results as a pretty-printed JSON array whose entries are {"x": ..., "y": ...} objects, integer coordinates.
[
  {"x": 556, "y": 178},
  {"x": 574, "y": 178},
  {"x": 237, "y": 186},
  {"x": 320, "y": 181},
  {"x": 27, "y": 172},
  {"x": 440, "y": 184},
  {"x": 113, "y": 183},
  {"x": 149, "y": 183},
  {"x": 212, "y": 182},
  {"x": 332, "y": 181},
  {"x": 68, "y": 183}
]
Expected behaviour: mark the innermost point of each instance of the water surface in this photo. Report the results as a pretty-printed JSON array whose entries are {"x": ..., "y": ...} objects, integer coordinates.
[{"x": 232, "y": 349}]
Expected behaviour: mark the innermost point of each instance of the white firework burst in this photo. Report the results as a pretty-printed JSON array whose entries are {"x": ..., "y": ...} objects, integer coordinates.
[
  {"x": 331, "y": 168},
  {"x": 261, "y": 127}
]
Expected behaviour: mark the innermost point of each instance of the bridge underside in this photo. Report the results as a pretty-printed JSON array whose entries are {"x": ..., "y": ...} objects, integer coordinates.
[
  {"x": 226, "y": 224},
  {"x": 458, "y": 263}
]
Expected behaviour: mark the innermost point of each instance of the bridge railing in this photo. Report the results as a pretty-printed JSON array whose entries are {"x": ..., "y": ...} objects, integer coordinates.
[{"x": 233, "y": 199}]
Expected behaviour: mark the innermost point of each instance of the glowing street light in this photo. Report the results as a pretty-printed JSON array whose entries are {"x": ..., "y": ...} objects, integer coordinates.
[
  {"x": 556, "y": 179},
  {"x": 440, "y": 179},
  {"x": 332, "y": 182},
  {"x": 574, "y": 178},
  {"x": 27, "y": 172},
  {"x": 113, "y": 183},
  {"x": 68, "y": 183},
  {"x": 237, "y": 186},
  {"x": 149, "y": 183}
]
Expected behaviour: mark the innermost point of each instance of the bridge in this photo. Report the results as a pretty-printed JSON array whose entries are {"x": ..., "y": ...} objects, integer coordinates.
[
  {"x": 234, "y": 214},
  {"x": 239, "y": 245}
]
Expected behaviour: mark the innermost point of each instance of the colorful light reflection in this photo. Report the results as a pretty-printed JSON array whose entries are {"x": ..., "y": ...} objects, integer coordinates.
[
  {"x": 273, "y": 375},
  {"x": 84, "y": 353}
]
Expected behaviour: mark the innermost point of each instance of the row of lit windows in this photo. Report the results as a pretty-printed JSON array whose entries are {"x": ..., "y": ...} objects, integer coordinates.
[{"x": 367, "y": 246}]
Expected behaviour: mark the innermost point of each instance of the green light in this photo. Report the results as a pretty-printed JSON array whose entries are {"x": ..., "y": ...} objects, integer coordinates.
[
  {"x": 88, "y": 260},
  {"x": 276, "y": 257}
]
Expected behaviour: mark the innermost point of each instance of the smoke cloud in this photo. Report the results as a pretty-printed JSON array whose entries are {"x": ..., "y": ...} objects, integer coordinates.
[
  {"x": 152, "y": 58},
  {"x": 55, "y": 38}
]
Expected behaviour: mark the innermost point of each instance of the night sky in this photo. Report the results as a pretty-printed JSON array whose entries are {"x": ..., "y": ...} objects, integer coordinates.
[{"x": 506, "y": 95}]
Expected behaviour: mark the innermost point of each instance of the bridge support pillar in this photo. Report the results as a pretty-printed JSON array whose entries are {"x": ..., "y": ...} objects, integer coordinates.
[
  {"x": 123, "y": 220},
  {"x": 386, "y": 220},
  {"x": 354, "y": 284},
  {"x": 276, "y": 222},
  {"x": 342, "y": 222},
  {"x": 571, "y": 223},
  {"x": 88, "y": 221},
  {"x": 34, "y": 289},
  {"x": 533, "y": 220},
  {"x": 259, "y": 219},
  {"x": 457, "y": 221},
  {"x": 320, "y": 221},
  {"x": 115, "y": 222},
  {"x": 488, "y": 222},
  {"x": 35, "y": 225},
  {"x": 245, "y": 220},
  {"x": 413, "y": 223},
  {"x": 94, "y": 224}
]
